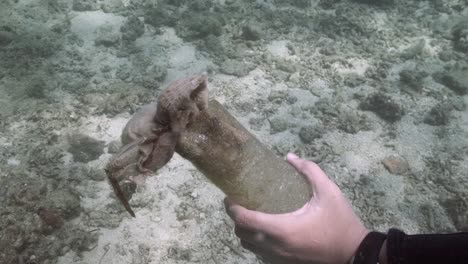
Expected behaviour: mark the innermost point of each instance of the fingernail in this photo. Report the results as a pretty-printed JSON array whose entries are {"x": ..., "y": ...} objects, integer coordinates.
[{"x": 292, "y": 156}]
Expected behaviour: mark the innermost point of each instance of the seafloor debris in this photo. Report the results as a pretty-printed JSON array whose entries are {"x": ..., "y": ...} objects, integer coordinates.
[
  {"x": 79, "y": 80},
  {"x": 132, "y": 29},
  {"x": 151, "y": 135},
  {"x": 456, "y": 80},
  {"x": 460, "y": 35},
  {"x": 85, "y": 5},
  {"x": 384, "y": 106},
  {"x": 6, "y": 37},
  {"x": 85, "y": 148},
  {"x": 456, "y": 209},
  {"x": 278, "y": 124},
  {"x": 413, "y": 79},
  {"x": 439, "y": 115},
  {"x": 396, "y": 165},
  {"x": 376, "y": 2},
  {"x": 50, "y": 217},
  {"x": 309, "y": 133}
]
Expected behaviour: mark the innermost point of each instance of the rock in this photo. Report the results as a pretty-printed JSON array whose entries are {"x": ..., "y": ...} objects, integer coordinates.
[
  {"x": 256, "y": 123},
  {"x": 112, "y": 6},
  {"x": 460, "y": 35},
  {"x": 354, "y": 80},
  {"x": 383, "y": 106},
  {"x": 300, "y": 3},
  {"x": 123, "y": 101},
  {"x": 176, "y": 3},
  {"x": 214, "y": 45},
  {"x": 458, "y": 103},
  {"x": 456, "y": 80},
  {"x": 3, "y": 194},
  {"x": 236, "y": 68},
  {"x": 276, "y": 96},
  {"x": 328, "y": 4},
  {"x": 37, "y": 88},
  {"x": 200, "y": 5},
  {"x": 85, "y": 148},
  {"x": 80, "y": 240},
  {"x": 107, "y": 36},
  {"x": 309, "y": 133},
  {"x": 37, "y": 41},
  {"x": 328, "y": 51},
  {"x": 252, "y": 31},
  {"x": 286, "y": 66},
  {"x": 295, "y": 78},
  {"x": 95, "y": 174},
  {"x": 181, "y": 254},
  {"x": 132, "y": 29},
  {"x": 77, "y": 172},
  {"x": 202, "y": 26},
  {"x": 114, "y": 146},
  {"x": 5, "y": 38},
  {"x": 445, "y": 55},
  {"x": 158, "y": 16},
  {"x": 396, "y": 165},
  {"x": 291, "y": 99},
  {"x": 278, "y": 124},
  {"x": 413, "y": 79},
  {"x": 123, "y": 72},
  {"x": 85, "y": 5},
  {"x": 9, "y": 253},
  {"x": 154, "y": 76},
  {"x": 376, "y": 2},
  {"x": 439, "y": 115},
  {"x": 456, "y": 209},
  {"x": 415, "y": 50},
  {"x": 65, "y": 202},
  {"x": 106, "y": 218},
  {"x": 50, "y": 217},
  {"x": 352, "y": 122}
]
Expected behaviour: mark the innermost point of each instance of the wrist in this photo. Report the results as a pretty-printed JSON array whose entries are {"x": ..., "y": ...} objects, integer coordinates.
[
  {"x": 383, "y": 253},
  {"x": 372, "y": 249},
  {"x": 358, "y": 241}
]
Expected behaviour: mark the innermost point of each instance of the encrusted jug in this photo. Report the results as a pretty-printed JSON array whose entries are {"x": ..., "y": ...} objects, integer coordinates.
[{"x": 240, "y": 165}]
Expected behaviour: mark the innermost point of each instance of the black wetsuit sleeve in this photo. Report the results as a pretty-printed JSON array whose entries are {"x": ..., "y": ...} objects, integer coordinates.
[{"x": 427, "y": 249}]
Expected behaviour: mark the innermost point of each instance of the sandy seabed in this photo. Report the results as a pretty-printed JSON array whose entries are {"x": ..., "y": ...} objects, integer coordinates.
[{"x": 376, "y": 94}]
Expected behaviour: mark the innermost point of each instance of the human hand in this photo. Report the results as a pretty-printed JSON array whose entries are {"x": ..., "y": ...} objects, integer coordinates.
[{"x": 324, "y": 230}]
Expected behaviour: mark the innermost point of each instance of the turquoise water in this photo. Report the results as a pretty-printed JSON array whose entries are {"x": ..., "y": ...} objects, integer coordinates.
[{"x": 375, "y": 92}]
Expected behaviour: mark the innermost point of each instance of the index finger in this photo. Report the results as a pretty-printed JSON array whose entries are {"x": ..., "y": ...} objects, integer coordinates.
[
  {"x": 252, "y": 220},
  {"x": 316, "y": 177}
]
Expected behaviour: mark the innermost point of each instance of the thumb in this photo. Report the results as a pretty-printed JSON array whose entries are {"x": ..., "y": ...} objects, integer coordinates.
[{"x": 318, "y": 180}]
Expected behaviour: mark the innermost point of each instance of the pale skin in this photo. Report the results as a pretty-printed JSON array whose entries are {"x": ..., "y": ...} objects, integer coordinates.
[{"x": 324, "y": 230}]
